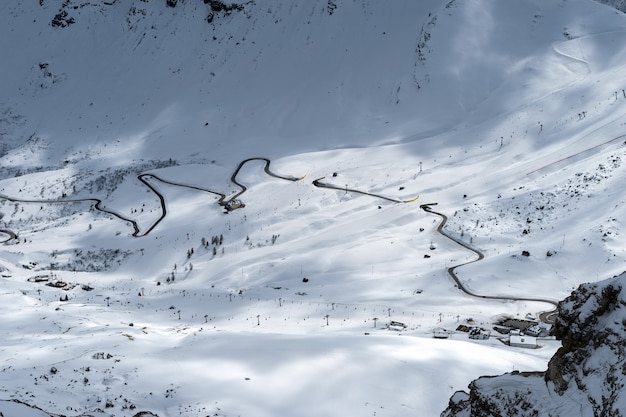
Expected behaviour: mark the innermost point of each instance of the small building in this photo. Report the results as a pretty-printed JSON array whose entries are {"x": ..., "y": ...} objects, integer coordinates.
[
  {"x": 397, "y": 326},
  {"x": 534, "y": 330},
  {"x": 57, "y": 284},
  {"x": 463, "y": 328},
  {"x": 540, "y": 329},
  {"x": 478, "y": 333},
  {"x": 520, "y": 324},
  {"x": 440, "y": 333},
  {"x": 39, "y": 278},
  {"x": 519, "y": 339},
  {"x": 234, "y": 204}
]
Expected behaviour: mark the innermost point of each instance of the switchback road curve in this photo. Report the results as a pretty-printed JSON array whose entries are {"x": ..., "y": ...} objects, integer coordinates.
[
  {"x": 98, "y": 204},
  {"x": 267, "y": 170},
  {"x": 546, "y": 316},
  {"x": 9, "y": 235},
  {"x": 223, "y": 201},
  {"x": 148, "y": 179}
]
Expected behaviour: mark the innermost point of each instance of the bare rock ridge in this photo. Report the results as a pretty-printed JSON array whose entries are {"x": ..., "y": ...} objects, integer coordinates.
[
  {"x": 585, "y": 377},
  {"x": 63, "y": 18}
]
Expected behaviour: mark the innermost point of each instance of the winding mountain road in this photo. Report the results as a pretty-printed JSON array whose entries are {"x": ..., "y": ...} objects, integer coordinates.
[
  {"x": 266, "y": 168},
  {"x": 144, "y": 178},
  {"x": 10, "y": 235},
  {"x": 97, "y": 204},
  {"x": 318, "y": 183},
  {"x": 546, "y": 316}
]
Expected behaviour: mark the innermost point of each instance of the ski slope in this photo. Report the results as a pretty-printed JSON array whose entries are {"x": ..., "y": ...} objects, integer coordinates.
[{"x": 509, "y": 116}]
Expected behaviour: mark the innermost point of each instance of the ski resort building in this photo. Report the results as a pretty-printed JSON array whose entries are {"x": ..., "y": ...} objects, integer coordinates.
[
  {"x": 478, "y": 333},
  {"x": 234, "y": 204},
  {"x": 440, "y": 333},
  {"x": 519, "y": 339}
]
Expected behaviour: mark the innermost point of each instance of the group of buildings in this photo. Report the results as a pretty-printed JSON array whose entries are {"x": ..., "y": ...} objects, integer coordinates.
[{"x": 515, "y": 332}]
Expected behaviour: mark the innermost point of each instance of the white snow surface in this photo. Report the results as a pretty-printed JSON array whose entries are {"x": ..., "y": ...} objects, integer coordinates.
[{"x": 509, "y": 115}]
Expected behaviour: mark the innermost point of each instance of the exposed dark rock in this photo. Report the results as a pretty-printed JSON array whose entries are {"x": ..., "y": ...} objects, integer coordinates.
[
  {"x": 219, "y": 8},
  {"x": 62, "y": 19},
  {"x": 589, "y": 370},
  {"x": 145, "y": 414},
  {"x": 331, "y": 7}
]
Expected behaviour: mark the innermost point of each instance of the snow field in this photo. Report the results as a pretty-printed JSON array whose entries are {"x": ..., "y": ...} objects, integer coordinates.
[{"x": 489, "y": 132}]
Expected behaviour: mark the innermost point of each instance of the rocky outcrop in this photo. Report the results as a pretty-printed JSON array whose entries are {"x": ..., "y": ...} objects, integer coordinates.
[
  {"x": 62, "y": 19},
  {"x": 66, "y": 14},
  {"x": 586, "y": 375},
  {"x": 592, "y": 361},
  {"x": 219, "y": 8},
  {"x": 11, "y": 408}
]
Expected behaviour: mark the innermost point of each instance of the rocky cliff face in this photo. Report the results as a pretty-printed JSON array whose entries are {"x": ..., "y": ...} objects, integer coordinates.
[{"x": 585, "y": 377}]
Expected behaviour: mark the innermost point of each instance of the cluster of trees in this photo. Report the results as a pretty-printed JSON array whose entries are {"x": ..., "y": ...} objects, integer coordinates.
[
  {"x": 88, "y": 261},
  {"x": 215, "y": 242},
  {"x": 109, "y": 180}
]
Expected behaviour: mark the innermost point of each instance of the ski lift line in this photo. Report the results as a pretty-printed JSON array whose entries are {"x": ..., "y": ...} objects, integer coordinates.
[
  {"x": 576, "y": 154},
  {"x": 546, "y": 316},
  {"x": 318, "y": 183}
]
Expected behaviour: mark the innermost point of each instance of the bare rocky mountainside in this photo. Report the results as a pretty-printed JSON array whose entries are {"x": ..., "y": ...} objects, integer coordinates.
[{"x": 585, "y": 377}]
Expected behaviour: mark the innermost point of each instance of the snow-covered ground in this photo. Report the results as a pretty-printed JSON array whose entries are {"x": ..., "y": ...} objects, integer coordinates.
[{"x": 509, "y": 116}]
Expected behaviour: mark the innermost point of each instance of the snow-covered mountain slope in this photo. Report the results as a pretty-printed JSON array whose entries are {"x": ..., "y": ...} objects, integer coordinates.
[
  {"x": 585, "y": 376},
  {"x": 295, "y": 75},
  {"x": 122, "y": 124}
]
